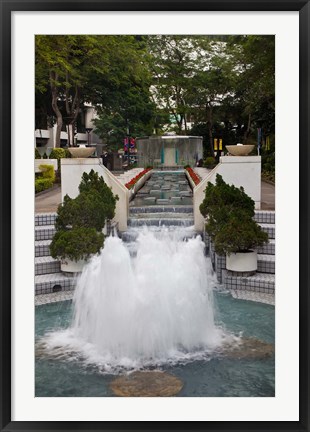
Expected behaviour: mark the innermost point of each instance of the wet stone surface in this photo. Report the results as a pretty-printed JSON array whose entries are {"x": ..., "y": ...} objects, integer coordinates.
[
  {"x": 163, "y": 189},
  {"x": 147, "y": 384}
]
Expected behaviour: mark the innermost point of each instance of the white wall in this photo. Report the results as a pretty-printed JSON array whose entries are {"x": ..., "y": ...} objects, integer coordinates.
[
  {"x": 237, "y": 170},
  {"x": 71, "y": 175}
]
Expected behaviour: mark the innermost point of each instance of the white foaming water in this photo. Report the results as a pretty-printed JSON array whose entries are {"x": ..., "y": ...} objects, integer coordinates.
[{"x": 151, "y": 309}]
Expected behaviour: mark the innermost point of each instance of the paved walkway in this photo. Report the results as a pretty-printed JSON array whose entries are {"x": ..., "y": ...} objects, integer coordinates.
[
  {"x": 268, "y": 196},
  {"x": 48, "y": 201}
]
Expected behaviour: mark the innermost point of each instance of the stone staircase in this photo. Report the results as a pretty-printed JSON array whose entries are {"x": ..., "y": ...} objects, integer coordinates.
[
  {"x": 263, "y": 281},
  {"x": 126, "y": 176},
  {"x": 157, "y": 217},
  {"x": 48, "y": 277}
]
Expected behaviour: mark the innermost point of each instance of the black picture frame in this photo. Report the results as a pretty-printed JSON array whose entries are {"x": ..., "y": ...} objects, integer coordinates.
[{"x": 6, "y": 8}]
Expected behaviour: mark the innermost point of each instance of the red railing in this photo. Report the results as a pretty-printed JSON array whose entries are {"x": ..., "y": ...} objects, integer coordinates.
[
  {"x": 193, "y": 175},
  {"x": 134, "y": 180}
]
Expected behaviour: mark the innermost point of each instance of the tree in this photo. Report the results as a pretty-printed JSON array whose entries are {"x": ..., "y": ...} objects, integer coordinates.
[
  {"x": 172, "y": 65},
  {"x": 79, "y": 68},
  {"x": 254, "y": 58}
]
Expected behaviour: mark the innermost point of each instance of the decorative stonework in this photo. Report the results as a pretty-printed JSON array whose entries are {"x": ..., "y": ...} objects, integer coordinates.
[{"x": 147, "y": 384}]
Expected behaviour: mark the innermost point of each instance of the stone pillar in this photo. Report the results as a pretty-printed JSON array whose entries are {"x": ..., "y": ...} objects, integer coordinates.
[
  {"x": 242, "y": 171},
  {"x": 71, "y": 175}
]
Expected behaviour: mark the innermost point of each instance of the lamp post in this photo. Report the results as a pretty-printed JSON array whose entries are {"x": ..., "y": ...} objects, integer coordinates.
[
  {"x": 88, "y": 130},
  {"x": 218, "y": 147},
  {"x": 128, "y": 142}
]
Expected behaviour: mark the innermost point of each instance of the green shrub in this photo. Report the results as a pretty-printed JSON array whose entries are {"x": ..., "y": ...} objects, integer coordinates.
[
  {"x": 47, "y": 172},
  {"x": 239, "y": 234},
  {"x": 94, "y": 212},
  {"x": 230, "y": 224},
  {"x": 44, "y": 179},
  {"x": 60, "y": 153},
  {"x": 93, "y": 182},
  {"x": 79, "y": 221},
  {"x": 77, "y": 243},
  {"x": 209, "y": 162},
  {"x": 42, "y": 184}
]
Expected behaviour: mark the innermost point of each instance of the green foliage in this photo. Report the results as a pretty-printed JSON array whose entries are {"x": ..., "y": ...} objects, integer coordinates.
[
  {"x": 83, "y": 216},
  {"x": 91, "y": 182},
  {"x": 47, "y": 172},
  {"x": 148, "y": 82},
  {"x": 45, "y": 179},
  {"x": 109, "y": 71},
  {"x": 60, "y": 153},
  {"x": 240, "y": 234},
  {"x": 42, "y": 184},
  {"x": 209, "y": 162},
  {"x": 77, "y": 243},
  {"x": 230, "y": 220}
]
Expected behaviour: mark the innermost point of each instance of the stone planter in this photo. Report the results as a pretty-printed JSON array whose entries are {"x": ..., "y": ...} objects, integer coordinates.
[
  {"x": 70, "y": 266},
  {"x": 242, "y": 261},
  {"x": 137, "y": 186},
  {"x": 81, "y": 152},
  {"x": 240, "y": 150}
]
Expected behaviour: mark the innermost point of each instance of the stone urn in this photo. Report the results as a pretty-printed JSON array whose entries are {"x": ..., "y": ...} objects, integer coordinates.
[
  {"x": 82, "y": 151},
  {"x": 240, "y": 149}
]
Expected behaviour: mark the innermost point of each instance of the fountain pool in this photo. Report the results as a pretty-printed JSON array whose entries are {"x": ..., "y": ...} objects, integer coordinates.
[{"x": 154, "y": 307}]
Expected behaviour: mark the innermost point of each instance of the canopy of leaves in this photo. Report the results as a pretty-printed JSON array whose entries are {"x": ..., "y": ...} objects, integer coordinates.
[{"x": 147, "y": 83}]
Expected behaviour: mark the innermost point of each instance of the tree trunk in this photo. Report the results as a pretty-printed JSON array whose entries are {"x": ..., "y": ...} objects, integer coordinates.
[
  {"x": 68, "y": 136},
  {"x": 53, "y": 78},
  {"x": 72, "y": 112},
  {"x": 210, "y": 125},
  {"x": 71, "y": 133},
  {"x": 185, "y": 124},
  {"x": 247, "y": 132}
]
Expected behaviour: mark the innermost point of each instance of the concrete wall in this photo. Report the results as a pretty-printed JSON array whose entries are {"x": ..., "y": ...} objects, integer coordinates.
[
  {"x": 237, "y": 170},
  {"x": 71, "y": 175},
  {"x": 175, "y": 150}
]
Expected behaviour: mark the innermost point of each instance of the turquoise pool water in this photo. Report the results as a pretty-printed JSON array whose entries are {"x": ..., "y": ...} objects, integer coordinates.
[{"x": 221, "y": 375}]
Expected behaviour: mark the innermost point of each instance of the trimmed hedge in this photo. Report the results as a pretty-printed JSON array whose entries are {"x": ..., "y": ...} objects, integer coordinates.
[
  {"x": 45, "y": 179},
  {"x": 42, "y": 184}
]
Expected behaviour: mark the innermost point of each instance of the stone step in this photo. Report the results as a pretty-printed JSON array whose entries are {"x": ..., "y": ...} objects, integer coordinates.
[
  {"x": 42, "y": 248},
  {"x": 269, "y": 229},
  {"x": 268, "y": 248},
  {"x": 42, "y": 219},
  {"x": 260, "y": 282},
  {"x": 266, "y": 263},
  {"x": 130, "y": 236},
  {"x": 44, "y": 232},
  {"x": 161, "y": 209},
  {"x": 49, "y": 283},
  {"x": 258, "y": 297},
  {"x": 136, "y": 222},
  {"x": 162, "y": 216},
  {"x": 46, "y": 265},
  {"x": 56, "y": 297},
  {"x": 265, "y": 216}
]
